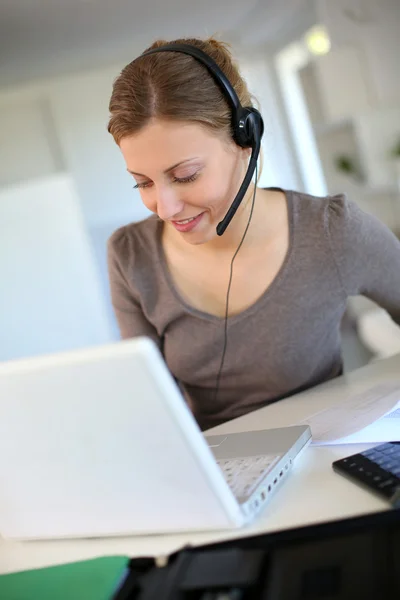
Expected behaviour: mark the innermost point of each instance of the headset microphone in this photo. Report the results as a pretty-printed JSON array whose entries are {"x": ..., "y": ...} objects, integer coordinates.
[{"x": 245, "y": 184}]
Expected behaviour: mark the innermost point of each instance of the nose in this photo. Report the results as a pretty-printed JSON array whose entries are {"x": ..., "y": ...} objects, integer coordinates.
[{"x": 169, "y": 203}]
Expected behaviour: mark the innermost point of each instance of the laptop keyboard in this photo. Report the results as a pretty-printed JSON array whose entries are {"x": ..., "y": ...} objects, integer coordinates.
[{"x": 243, "y": 475}]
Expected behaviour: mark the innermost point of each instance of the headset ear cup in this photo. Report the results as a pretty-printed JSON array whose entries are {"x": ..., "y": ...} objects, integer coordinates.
[
  {"x": 259, "y": 123},
  {"x": 247, "y": 121},
  {"x": 242, "y": 128}
]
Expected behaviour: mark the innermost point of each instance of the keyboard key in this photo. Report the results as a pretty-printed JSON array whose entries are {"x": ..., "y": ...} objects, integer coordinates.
[
  {"x": 371, "y": 454},
  {"x": 386, "y": 483},
  {"x": 385, "y": 447},
  {"x": 243, "y": 475},
  {"x": 388, "y": 465},
  {"x": 389, "y": 451}
]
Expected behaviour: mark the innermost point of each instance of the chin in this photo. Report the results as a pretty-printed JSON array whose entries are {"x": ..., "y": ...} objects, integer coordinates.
[
  {"x": 196, "y": 239},
  {"x": 203, "y": 235}
]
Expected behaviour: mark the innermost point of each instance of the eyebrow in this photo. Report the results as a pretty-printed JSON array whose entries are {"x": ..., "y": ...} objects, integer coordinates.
[{"x": 169, "y": 168}]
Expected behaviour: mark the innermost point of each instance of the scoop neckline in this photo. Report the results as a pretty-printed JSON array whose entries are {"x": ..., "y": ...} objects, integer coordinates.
[{"x": 264, "y": 296}]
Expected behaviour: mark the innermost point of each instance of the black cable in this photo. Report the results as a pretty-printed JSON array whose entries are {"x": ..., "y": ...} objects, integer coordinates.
[{"x": 229, "y": 289}]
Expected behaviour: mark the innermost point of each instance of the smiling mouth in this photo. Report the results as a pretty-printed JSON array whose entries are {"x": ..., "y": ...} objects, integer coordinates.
[{"x": 184, "y": 221}]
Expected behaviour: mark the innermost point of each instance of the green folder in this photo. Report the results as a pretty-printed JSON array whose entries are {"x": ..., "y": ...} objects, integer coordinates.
[{"x": 95, "y": 579}]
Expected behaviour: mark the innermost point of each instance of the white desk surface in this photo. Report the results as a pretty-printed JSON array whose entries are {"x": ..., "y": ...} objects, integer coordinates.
[{"x": 312, "y": 493}]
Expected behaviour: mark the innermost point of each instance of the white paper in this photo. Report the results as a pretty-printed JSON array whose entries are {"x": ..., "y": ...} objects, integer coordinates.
[
  {"x": 385, "y": 429},
  {"x": 394, "y": 415},
  {"x": 370, "y": 416}
]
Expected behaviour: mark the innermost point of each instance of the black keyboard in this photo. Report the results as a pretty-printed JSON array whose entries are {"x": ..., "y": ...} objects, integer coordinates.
[{"x": 377, "y": 468}]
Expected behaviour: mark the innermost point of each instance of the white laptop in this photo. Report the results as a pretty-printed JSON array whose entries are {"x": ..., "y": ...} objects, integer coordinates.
[{"x": 100, "y": 442}]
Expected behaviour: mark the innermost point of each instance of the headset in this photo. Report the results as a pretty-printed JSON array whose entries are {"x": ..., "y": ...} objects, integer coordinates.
[{"x": 247, "y": 122}]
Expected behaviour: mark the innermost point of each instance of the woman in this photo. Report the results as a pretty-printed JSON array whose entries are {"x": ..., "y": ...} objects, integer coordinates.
[{"x": 301, "y": 258}]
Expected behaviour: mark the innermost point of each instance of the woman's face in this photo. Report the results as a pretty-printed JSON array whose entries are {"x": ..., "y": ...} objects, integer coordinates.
[{"x": 186, "y": 174}]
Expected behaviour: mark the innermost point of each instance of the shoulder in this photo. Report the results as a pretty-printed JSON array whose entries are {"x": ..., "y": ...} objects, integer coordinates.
[
  {"x": 345, "y": 215},
  {"x": 320, "y": 207},
  {"x": 132, "y": 252},
  {"x": 355, "y": 238},
  {"x": 337, "y": 215},
  {"x": 351, "y": 228},
  {"x": 134, "y": 239}
]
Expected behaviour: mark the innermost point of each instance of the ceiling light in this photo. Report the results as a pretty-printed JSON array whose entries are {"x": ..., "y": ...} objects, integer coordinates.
[{"x": 317, "y": 40}]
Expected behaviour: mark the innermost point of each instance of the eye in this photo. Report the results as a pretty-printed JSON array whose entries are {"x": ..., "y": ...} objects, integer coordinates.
[
  {"x": 186, "y": 179},
  {"x": 140, "y": 186},
  {"x": 146, "y": 184}
]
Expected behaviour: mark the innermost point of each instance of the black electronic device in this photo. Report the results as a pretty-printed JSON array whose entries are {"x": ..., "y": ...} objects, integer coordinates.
[
  {"x": 350, "y": 559},
  {"x": 377, "y": 469}
]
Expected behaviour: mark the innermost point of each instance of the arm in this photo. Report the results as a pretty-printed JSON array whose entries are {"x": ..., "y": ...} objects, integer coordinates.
[
  {"x": 367, "y": 254},
  {"x": 131, "y": 320}
]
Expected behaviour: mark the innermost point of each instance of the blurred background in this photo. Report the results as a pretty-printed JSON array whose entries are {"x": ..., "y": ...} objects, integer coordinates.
[{"x": 326, "y": 74}]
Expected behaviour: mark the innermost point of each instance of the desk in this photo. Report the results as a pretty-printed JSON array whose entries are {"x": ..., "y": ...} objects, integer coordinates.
[{"x": 312, "y": 493}]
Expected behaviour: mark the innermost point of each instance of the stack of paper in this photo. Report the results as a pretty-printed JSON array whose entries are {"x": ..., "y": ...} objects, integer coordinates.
[{"x": 372, "y": 416}]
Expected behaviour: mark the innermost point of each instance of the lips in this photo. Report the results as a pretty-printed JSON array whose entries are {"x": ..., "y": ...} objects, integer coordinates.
[
  {"x": 184, "y": 221},
  {"x": 185, "y": 225}
]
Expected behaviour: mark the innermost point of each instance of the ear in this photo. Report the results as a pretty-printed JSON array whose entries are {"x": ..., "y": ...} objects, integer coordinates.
[{"x": 246, "y": 153}]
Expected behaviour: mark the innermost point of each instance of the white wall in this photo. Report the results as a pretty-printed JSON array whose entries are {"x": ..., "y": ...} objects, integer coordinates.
[
  {"x": 348, "y": 103},
  {"x": 27, "y": 147},
  {"x": 80, "y": 109},
  {"x": 279, "y": 165},
  {"x": 108, "y": 200},
  {"x": 50, "y": 295},
  {"x": 60, "y": 125},
  {"x": 373, "y": 27},
  {"x": 364, "y": 65},
  {"x": 288, "y": 63}
]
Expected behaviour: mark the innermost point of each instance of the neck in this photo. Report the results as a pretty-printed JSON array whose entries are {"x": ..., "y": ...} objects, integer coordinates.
[{"x": 229, "y": 241}]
